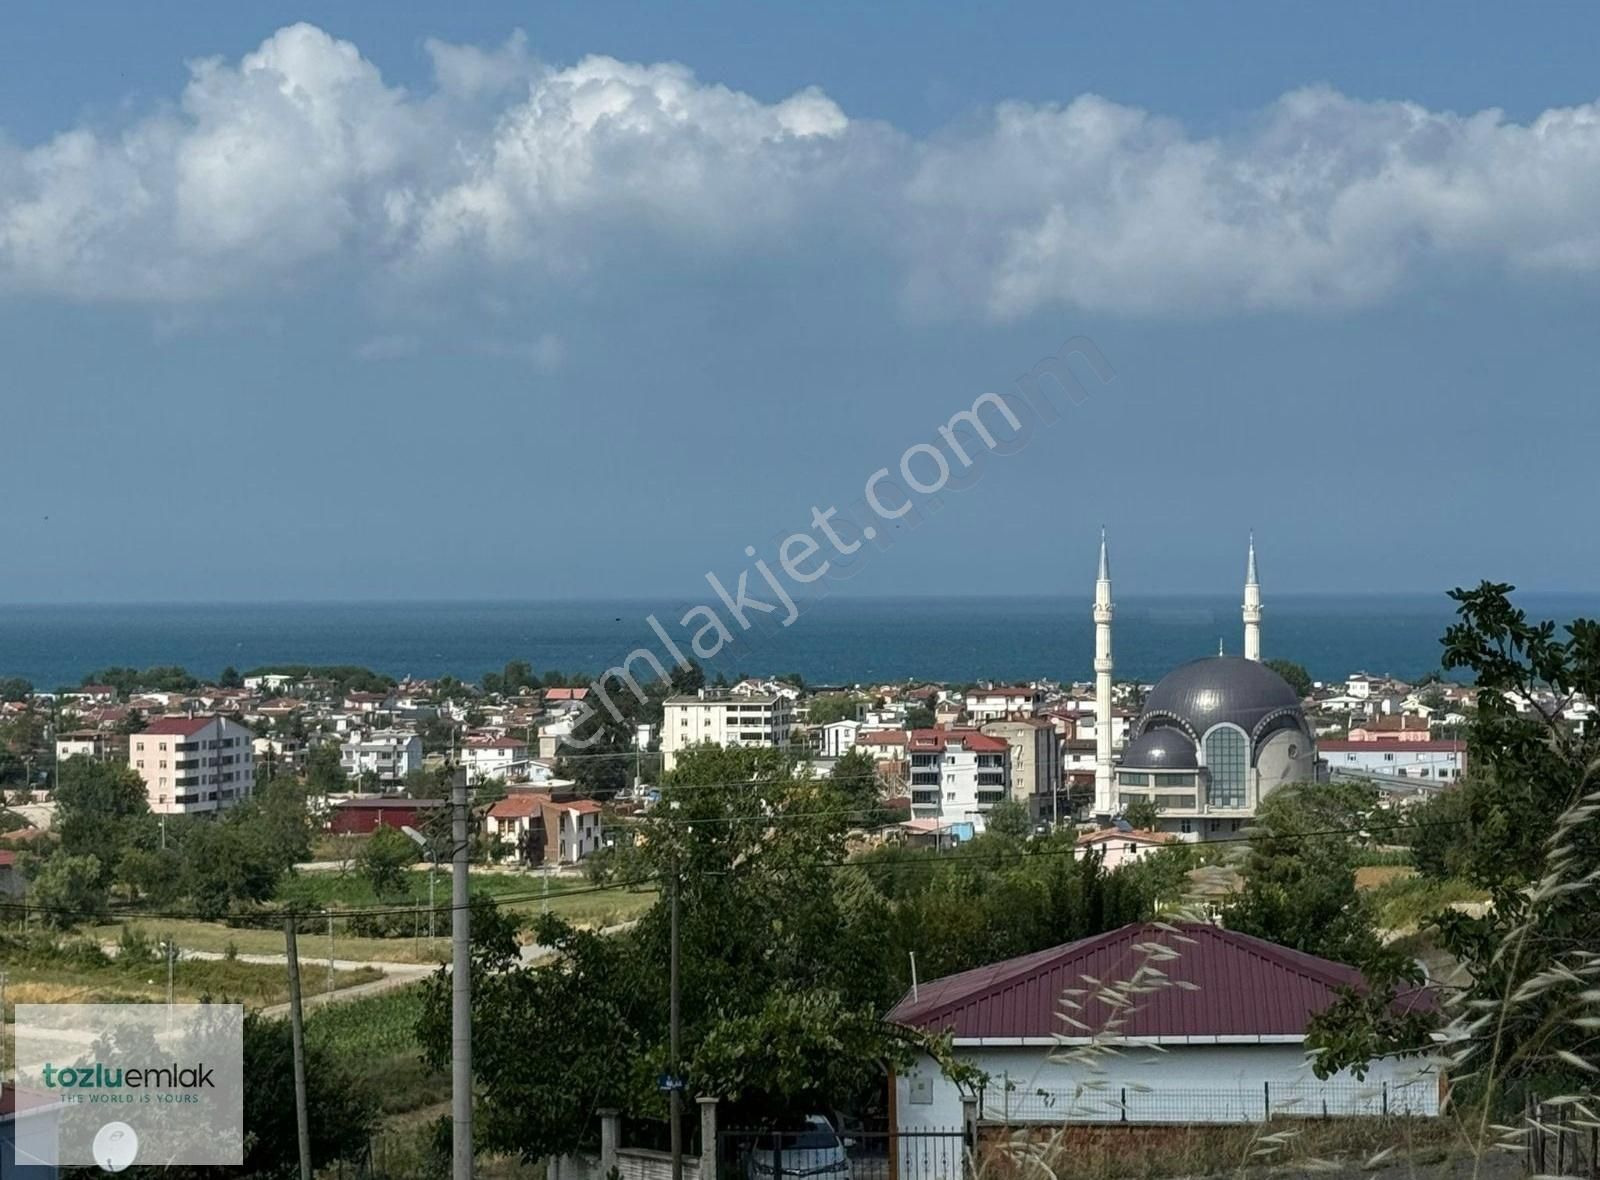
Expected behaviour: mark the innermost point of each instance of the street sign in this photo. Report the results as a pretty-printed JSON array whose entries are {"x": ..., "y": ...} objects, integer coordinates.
[{"x": 666, "y": 1083}]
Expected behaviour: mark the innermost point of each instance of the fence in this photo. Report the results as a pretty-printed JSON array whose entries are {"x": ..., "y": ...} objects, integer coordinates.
[
  {"x": 1008, "y": 1102},
  {"x": 1562, "y": 1140},
  {"x": 821, "y": 1154}
]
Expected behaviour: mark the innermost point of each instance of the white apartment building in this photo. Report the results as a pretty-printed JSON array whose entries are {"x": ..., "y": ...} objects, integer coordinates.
[
  {"x": 1435, "y": 761},
  {"x": 193, "y": 765},
  {"x": 391, "y": 754},
  {"x": 993, "y": 704},
  {"x": 957, "y": 774},
  {"x": 1036, "y": 769},
  {"x": 723, "y": 720},
  {"x": 838, "y": 738},
  {"x": 495, "y": 758}
]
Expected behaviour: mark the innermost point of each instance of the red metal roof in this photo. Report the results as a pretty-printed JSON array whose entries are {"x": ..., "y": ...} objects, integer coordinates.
[
  {"x": 518, "y": 806},
  {"x": 1244, "y": 987}
]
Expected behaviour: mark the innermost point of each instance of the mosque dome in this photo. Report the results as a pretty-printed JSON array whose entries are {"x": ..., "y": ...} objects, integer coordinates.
[
  {"x": 1161, "y": 748},
  {"x": 1203, "y": 693}
]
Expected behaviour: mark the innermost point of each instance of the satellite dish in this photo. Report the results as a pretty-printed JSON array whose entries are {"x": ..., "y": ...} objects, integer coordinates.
[{"x": 1123, "y": 825}]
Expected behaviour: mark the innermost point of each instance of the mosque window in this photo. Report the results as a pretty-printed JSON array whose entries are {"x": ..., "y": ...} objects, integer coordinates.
[{"x": 1228, "y": 760}]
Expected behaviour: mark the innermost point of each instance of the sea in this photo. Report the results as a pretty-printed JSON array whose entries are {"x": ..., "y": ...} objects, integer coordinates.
[{"x": 834, "y": 640}]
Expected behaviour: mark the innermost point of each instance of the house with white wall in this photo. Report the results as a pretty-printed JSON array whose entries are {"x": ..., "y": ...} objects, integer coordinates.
[{"x": 1207, "y": 1026}]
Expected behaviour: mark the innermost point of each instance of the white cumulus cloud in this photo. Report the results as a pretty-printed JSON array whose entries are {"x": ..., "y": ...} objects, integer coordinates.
[{"x": 298, "y": 164}]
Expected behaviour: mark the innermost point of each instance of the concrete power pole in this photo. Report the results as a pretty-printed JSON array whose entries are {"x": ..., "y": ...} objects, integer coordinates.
[
  {"x": 460, "y": 993},
  {"x": 298, "y": 1034}
]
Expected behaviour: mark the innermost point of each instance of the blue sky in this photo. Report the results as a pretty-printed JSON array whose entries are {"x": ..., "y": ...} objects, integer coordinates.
[{"x": 393, "y": 301}]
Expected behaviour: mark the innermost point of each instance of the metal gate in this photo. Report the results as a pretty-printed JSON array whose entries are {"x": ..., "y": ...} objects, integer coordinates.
[{"x": 820, "y": 1153}]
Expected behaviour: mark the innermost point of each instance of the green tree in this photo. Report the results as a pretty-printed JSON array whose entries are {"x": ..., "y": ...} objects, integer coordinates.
[
  {"x": 14, "y": 688},
  {"x": 831, "y": 707},
  {"x": 1299, "y": 884},
  {"x": 101, "y": 810},
  {"x": 68, "y": 889},
  {"x": 1009, "y": 818},
  {"x": 1142, "y": 815},
  {"x": 1526, "y": 831},
  {"x": 920, "y": 717},
  {"x": 1295, "y": 674},
  {"x": 224, "y": 864},
  {"x": 384, "y": 860},
  {"x": 230, "y": 678},
  {"x": 324, "y": 770}
]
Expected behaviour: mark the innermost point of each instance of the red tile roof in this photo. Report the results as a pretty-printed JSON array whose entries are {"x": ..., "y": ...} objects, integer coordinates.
[
  {"x": 1389, "y": 746},
  {"x": 7, "y": 859},
  {"x": 882, "y": 737},
  {"x": 925, "y": 740},
  {"x": 1245, "y": 987},
  {"x": 565, "y": 694},
  {"x": 581, "y": 806},
  {"x": 177, "y": 726},
  {"x": 1136, "y": 837},
  {"x": 518, "y": 806}
]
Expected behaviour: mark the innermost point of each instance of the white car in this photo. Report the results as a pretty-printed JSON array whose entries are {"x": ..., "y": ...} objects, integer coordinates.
[{"x": 816, "y": 1153}]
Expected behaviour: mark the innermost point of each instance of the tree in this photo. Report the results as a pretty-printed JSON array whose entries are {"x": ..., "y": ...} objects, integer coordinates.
[
  {"x": 831, "y": 707},
  {"x": 1524, "y": 1023},
  {"x": 224, "y": 864},
  {"x": 230, "y": 678},
  {"x": 384, "y": 860},
  {"x": 1295, "y": 674},
  {"x": 767, "y": 959},
  {"x": 14, "y": 688},
  {"x": 101, "y": 811},
  {"x": 1142, "y": 815},
  {"x": 1009, "y": 818},
  {"x": 920, "y": 717},
  {"x": 68, "y": 889},
  {"x": 1299, "y": 885},
  {"x": 324, "y": 769}
]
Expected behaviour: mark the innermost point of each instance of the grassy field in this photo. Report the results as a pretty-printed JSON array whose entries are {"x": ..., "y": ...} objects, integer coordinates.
[
  {"x": 350, "y": 889},
  {"x": 601, "y": 908},
  {"x": 252, "y": 984},
  {"x": 1404, "y": 899}
]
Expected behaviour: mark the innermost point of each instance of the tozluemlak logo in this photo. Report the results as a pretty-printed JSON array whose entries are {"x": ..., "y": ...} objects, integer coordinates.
[{"x": 104, "y": 1077}]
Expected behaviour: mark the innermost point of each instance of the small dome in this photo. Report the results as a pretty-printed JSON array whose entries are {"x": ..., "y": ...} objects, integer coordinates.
[
  {"x": 1206, "y": 692},
  {"x": 1162, "y": 748}
]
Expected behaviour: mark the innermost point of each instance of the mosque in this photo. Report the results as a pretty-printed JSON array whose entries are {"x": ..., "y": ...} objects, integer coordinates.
[{"x": 1215, "y": 737}]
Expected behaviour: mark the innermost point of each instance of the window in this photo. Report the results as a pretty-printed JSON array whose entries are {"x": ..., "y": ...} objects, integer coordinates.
[
  {"x": 1388, "y": 757},
  {"x": 1130, "y": 779},
  {"x": 1186, "y": 826},
  {"x": 1214, "y": 825},
  {"x": 1228, "y": 760},
  {"x": 140, "y": 746}
]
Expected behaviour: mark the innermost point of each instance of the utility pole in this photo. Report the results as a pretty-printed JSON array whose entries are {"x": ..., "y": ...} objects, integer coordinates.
[
  {"x": 172, "y": 953},
  {"x": 675, "y": 1096},
  {"x": 297, "y": 1034},
  {"x": 330, "y": 953},
  {"x": 460, "y": 993}
]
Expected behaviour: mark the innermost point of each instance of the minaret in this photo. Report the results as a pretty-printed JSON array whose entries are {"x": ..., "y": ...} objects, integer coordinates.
[
  {"x": 1252, "y": 606},
  {"x": 1105, "y": 795}
]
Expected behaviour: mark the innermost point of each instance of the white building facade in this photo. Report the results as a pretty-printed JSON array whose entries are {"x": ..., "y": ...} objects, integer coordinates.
[
  {"x": 389, "y": 754},
  {"x": 957, "y": 774},
  {"x": 723, "y": 720},
  {"x": 194, "y": 765}
]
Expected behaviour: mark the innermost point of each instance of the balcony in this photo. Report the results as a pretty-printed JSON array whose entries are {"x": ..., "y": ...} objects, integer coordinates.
[
  {"x": 925, "y": 798},
  {"x": 925, "y": 780},
  {"x": 988, "y": 798}
]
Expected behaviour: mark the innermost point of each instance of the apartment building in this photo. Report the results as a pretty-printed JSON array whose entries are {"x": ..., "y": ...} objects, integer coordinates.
[
  {"x": 390, "y": 754},
  {"x": 193, "y": 765},
  {"x": 488, "y": 758},
  {"x": 957, "y": 774},
  {"x": 723, "y": 720},
  {"x": 1433, "y": 760},
  {"x": 992, "y": 704},
  {"x": 99, "y": 745},
  {"x": 1036, "y": 766}
]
